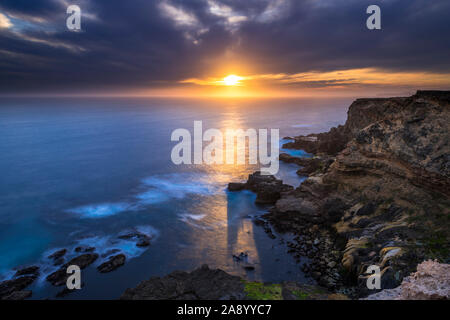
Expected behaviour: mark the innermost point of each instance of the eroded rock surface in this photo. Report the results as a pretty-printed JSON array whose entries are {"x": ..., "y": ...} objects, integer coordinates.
[
  {"x": 59, "y": 277},
  {"x": 112, "y": 264},
  {"x": 203, "y": 283},
  {"x": 267, "y": 188},
  {"x": 430, "y": 282},
  {"x": 384, "y": 197},
  {"x": 208, "y": 284}
]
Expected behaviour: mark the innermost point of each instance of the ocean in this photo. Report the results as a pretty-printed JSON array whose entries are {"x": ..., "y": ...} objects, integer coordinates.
[{"x": 83, "y": 171}]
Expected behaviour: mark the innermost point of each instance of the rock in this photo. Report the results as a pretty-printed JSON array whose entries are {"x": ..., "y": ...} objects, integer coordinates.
[
  {"x": 367, "y": 209},
  {"x": 259, "y": 222},
  {"x": 18, "y": 295},
  {"x": 430, "y": 282},
  {"x": 241, "y": 257},
  {"x": 112, "y": 264},
  {"x": 60, "y": 276},
  {"x": 33, "y": 270},
  {"x": 309, "y": 165},
  {"x": 58, "y": 262},
  {"x": 84, "y": 249},
  {"x": 389, "y": 278},
  {"x": 202, "y": 283},
  {"x": 267, "y": 188},
  {"x": 386, "y": 183},
  {"x": 236, "y": 186},
  {"x": 249, "y": 268},
  {"x": 84, "y": 260},
  {"x": 130, "y": 235},
  {"x": 65, "y": 291},
  {"x": 143, "y": 242},
  {"x": 11, "y": 288},
  {"x": 58, "y": 254},
  {"x": 331, "y": 264}
]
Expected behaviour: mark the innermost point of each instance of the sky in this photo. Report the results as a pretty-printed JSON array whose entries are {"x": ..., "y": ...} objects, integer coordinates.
[{"x": 188, "y": 47}]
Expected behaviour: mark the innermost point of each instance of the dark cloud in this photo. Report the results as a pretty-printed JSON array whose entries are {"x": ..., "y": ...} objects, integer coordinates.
[{"x": 141, "y": 43}]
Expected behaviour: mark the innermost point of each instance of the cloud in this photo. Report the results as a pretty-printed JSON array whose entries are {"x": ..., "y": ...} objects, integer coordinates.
[
  {"x": 350, "y": 77},
  {"x": 4, "y": 22},
  {"x": 275, "y": 10},
  {"x": 179, "y": 16},
  {"x": 158, "y": 44}
]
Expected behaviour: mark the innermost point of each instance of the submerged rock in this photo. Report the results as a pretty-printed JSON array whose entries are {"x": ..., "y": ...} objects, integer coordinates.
[
  {"x": 59, "y": 277},
  {"x": 58, "y": 254},
  {"x": 84, "y": 249},
  {"x": 249, "y": 267},
  {"x": 112, "y": 264},
  {"x": 12, "y": 289},
  {"x": 18, "y": 295},
  {"x": 142, "y": 240},
  {"x": 33, "y": 270}
]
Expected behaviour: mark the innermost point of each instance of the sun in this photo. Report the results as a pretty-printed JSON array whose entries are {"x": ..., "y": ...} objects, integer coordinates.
[{"x": 232, "y": 80}]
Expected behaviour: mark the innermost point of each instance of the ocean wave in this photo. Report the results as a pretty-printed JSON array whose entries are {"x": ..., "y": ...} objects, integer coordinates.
[
  {"x": 101, "y": 210},
  {"x": 163, "y": 188},
  {"x": 194, "y": 220},
  {"x": 105, "y": 246},
  {"x": 158, "y": 189}
]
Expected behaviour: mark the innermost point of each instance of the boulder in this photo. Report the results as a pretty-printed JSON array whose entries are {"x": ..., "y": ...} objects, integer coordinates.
[
  {"x": 112, "y": 264},
  {"x": 58, "y": 254},
  {"x": 10, "y": 289},
  {"x": 33, "y": 270},
  {"x": 236, "y": 186},
  {"x": 59, "y": 277},
  {"x": 18, "y": 295},
  {"x": 203, "y": 283}
]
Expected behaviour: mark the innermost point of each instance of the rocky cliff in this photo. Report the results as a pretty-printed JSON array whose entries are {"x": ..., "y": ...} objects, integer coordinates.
[{"x": 382, "y": 194}]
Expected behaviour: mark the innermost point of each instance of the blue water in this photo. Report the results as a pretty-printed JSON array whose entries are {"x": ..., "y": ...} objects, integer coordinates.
[{"x": 83, "y": 171}]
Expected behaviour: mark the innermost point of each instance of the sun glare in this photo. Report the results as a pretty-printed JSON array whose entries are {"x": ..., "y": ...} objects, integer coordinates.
[{"x": 232, "y": 80}]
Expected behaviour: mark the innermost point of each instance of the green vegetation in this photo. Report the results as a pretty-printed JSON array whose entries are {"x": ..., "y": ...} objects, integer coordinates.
[
  {"x": 301, "y": 295},
  {"x": 309, "y": 293},
  {"x": 261, "y": 291},
  {"x": 437, "y": 246}
]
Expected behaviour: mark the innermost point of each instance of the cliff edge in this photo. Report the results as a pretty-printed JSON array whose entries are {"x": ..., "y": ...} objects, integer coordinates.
[{"x": 382, "y": 193}]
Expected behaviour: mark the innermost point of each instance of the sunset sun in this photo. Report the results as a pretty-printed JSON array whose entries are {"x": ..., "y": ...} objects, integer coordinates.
[{"x": 232, "y": 80}]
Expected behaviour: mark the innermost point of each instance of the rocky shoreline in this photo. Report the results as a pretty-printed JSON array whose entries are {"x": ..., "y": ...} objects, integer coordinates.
[
  {"x": 209, "y": 284},
  {"x": 377, "y": 193},
  {"x": 81, "y": 256}
]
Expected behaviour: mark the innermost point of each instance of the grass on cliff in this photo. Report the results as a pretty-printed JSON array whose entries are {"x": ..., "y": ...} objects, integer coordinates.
[
  {"x": 261, "y": 291},
  {"x": 437, "y": 246}
]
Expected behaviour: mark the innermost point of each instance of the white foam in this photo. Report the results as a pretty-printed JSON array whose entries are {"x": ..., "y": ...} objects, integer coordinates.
[
  {"x": 103, "y": 247},
  {"x": 163, "y": 188},
  {"x": 193, "y": 220},
  {"x": 101, "y": 210}
]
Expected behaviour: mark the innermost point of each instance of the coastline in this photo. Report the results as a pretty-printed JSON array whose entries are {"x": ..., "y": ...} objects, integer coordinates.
[
  {"x": 331, "y": 220},
  {"x": 376, "y": 193}
]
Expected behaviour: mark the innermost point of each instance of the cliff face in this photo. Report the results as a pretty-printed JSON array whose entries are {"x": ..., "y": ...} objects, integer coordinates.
[{"x": 387, "y": 192}]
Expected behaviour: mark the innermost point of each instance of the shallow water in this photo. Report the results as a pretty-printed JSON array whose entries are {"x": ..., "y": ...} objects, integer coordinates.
[{"x": 83, "y": 171}]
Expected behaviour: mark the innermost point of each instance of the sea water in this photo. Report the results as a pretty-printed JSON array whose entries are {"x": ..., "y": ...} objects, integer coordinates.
[{"x": 80, "y": 172}]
